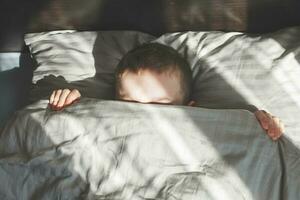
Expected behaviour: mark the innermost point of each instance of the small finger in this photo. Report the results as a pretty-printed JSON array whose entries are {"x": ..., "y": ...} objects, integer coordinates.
[
  {"x": 263, "y": 119},
  {"x": 272, "y": 126},
  {"x": 52, "y": 97},
  {"x": 74, "y": 95},
  {"x": 272, "y": 129},
  {"x": 56, "y": 97},
  {"x": 63, "y": 97}
]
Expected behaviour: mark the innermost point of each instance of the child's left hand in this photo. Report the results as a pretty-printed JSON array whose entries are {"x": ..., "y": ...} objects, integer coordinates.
[{"x": 273, "y": 126}]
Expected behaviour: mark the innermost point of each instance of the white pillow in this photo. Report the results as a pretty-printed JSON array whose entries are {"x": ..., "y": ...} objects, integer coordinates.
[
  {"x": 235, "y": 70},
  {"x": 83, "y": 60}
]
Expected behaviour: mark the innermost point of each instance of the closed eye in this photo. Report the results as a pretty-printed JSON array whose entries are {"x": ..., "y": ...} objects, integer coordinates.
[{"x": 154, "y": 102}]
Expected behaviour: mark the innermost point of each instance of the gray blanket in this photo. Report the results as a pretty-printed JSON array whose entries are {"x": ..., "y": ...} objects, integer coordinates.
[{"x": 115, "y": 150}]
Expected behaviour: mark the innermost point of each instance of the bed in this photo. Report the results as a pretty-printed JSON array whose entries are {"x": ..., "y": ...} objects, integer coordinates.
[{"x": 241, "y": 54}]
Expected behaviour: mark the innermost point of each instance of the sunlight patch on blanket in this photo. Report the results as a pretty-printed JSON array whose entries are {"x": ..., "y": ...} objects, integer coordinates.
[{"x": 213, "y": 187}]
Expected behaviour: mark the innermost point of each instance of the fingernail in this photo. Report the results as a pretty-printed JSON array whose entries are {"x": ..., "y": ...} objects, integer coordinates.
[{"x": 270, "y": 134}]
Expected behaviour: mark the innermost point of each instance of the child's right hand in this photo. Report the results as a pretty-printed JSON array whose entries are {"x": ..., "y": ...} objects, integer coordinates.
[{"x": 62, "y": 98}]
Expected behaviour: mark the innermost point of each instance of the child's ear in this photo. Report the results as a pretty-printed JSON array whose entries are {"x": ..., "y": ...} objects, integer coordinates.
[{"x": 192, "y": 103}]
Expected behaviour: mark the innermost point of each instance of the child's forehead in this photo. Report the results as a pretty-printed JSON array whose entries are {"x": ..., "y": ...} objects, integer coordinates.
[
  {"x": 149, "y": 86},
  {"x": 171, "y": 71}
]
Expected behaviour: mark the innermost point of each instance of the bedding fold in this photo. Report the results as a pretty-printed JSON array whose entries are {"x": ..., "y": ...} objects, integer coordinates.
[{"x": 98, "y": 149}]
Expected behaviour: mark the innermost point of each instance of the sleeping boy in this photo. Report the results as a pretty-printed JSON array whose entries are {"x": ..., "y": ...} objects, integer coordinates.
[{"x": 155, "y": 73}]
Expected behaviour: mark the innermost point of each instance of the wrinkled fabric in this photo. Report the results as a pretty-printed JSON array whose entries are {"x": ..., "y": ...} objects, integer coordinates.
[{"x": 117, "y": 150}]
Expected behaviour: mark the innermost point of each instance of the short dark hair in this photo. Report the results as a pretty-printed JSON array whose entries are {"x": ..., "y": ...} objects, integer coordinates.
[{"x": 157, "y": 57}]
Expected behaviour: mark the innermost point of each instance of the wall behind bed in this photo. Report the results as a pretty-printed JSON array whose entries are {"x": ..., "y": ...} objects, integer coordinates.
[{"x": 150, "y": 16}]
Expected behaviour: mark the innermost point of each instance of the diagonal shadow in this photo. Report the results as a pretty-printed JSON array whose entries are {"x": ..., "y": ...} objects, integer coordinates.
[{"x": 106, "y": 54}]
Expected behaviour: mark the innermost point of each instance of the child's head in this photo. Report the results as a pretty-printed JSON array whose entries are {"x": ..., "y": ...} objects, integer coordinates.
[{"x": 154, "y": 73}]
